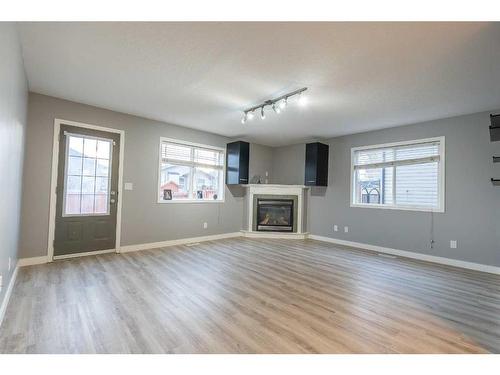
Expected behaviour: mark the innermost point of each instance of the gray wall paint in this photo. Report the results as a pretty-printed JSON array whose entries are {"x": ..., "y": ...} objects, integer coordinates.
[
  {"x": 472, "y": 214},
  {"x": 261, "y": 161},
  {"x": 289, "y": 164},
  {"x": 472, "y": 203},
  {"x": 143, "y": 220},
  {"x": 13, "y": 107}
]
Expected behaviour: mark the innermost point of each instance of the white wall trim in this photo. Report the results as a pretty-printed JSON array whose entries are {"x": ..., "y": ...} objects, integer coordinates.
[
  {"x": 8, "y": 293},
  {"x": 32, "y": 261},
  {"x": 412, "y": 255},
  {"x": 53, "y": 181},
  {"x": 180, "y": 241},
  {"x": 85, "y": 254}
]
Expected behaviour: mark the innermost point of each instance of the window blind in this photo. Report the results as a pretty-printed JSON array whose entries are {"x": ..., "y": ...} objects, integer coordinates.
[
  {"x": 397, "y": 155},
  {"x": 179, "y": 153}
]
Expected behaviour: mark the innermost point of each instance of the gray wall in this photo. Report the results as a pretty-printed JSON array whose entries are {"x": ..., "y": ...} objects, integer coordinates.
[
  {"x": 472, "y": 214},
  {"x": 143, "y": 220},
  {"x": 13, "y": 106},
  {"x": 289, "y": 164},
  {"x": 261, "y": 161}
]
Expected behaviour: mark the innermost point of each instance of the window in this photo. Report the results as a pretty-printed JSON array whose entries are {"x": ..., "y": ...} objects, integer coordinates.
[
  {"x": 87, "y": 175},
  {"x": 190, "y": 172},
  {"x": 403, "y": 175}
]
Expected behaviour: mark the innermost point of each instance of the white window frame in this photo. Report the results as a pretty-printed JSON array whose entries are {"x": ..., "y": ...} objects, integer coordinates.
[
  {"x": 66, "y": 166},
  {"x": 191, "y": 144},
  {"x": 441, "y": 177}
]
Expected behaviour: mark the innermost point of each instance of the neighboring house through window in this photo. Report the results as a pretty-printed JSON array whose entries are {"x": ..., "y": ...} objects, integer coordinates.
[
  {"x": 190, "y": 172},
  {"x": 402, "y": 175}
]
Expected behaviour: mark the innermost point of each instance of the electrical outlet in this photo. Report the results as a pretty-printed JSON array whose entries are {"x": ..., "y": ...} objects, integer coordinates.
[
  {"x": 205, "y": 225},
  {"x": 129, "y": 186},
  {"x": 10, "y": 263},
  {"x": 267, "y": 174},
  {"x": 453, "y": 244},
  {"x": 335, "y": 228},
  {"x": 346, "y": 229}
]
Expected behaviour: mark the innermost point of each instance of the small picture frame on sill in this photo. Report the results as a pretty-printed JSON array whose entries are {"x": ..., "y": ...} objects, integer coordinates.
[
  {"x": 167, "y": 194},
  {"x": 199, "y": 194}
]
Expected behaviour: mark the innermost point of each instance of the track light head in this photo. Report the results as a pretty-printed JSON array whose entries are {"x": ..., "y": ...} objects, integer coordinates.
[
  {"x": 250, "y": 115},
  {"x": 244, "y": 118},
  {"x": 276, "y": 109},
  {"x": 262, "y": 114},
  {"x": 283, "y": 103},
  {"x": 302, "y": 99}
]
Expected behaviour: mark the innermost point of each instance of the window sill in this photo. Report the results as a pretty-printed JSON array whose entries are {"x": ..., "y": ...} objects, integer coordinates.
[
  {"x": 191, "y": 201},
  {"x": 401, "y": 208}
]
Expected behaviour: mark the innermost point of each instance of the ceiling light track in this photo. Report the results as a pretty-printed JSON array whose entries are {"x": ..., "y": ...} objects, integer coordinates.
[{"x": 277, "y": 104}]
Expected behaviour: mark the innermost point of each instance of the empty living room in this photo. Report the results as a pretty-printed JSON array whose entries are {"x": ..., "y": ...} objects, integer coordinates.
[{"x": 219, "y": 185}]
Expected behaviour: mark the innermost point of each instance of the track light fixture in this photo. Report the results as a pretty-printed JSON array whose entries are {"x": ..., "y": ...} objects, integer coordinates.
[{"x": 277, "y": 104}]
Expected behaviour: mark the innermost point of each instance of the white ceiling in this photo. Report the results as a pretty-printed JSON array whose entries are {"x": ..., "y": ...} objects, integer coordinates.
[{"x": 361, "y": 76}]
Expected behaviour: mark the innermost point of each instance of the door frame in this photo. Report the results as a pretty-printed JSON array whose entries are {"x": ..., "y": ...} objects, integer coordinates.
[{"x": 53, "y": 185}]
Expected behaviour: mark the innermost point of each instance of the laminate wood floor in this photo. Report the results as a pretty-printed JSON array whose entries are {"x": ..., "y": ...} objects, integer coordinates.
[{"x": 251, "y": 296}]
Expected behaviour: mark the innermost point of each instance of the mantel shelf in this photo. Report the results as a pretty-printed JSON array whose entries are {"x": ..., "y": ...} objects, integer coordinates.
[{"x": 275, "y": 186}]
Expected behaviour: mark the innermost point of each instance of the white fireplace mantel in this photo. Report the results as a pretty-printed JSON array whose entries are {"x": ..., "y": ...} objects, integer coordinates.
[{"x": 273, "y": 189}]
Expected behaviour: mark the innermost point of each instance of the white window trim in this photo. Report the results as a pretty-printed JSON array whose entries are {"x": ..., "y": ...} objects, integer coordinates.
[
  {"x": 187, "y": 201},
  {"x": 441, "y": 181}
]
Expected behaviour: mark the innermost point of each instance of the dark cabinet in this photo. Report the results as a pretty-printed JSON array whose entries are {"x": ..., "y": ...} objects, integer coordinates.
[
  {"x": 495, "y": 128},
  {"x": 237, "y": 158},
  {"x": 316, "y": 171}
]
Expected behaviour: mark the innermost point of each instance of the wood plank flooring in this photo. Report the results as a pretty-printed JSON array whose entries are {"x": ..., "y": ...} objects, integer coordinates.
[{"x": 251, "y": 296}]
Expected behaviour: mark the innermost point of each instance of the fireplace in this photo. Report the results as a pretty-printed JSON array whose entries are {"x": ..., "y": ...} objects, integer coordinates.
[{"x": 275, "y": 215}]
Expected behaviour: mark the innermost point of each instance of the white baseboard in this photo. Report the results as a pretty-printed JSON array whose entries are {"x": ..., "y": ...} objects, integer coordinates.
[
  {"x": 88, "y": 253},
  {"x": 412, "y": 255},
  {"x": 281, "y": 235},
  {"x": 8, "y": 293},
  {"x": 32, "y": 261},
  {"x": 180, "y": 241}
]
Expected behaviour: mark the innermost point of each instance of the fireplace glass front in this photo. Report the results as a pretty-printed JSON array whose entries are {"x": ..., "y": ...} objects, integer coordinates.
[{"x": 275, "y": 215}]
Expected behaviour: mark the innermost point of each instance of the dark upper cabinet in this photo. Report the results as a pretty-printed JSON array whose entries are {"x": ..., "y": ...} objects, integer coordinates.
[
  {"x": 237, "y": 158},
  {"x": 495, "y": 128},
  {"x": 316, "y": 164}
]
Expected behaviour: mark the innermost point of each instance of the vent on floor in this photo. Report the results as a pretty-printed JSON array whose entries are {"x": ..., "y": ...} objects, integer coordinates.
[{"x": 387, "y": 255}]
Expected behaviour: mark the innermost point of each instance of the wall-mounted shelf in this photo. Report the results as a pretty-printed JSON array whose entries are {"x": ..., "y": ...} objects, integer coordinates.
[
  {"x": 495, "y": 181},
  {"x": 495, "y": 128}
]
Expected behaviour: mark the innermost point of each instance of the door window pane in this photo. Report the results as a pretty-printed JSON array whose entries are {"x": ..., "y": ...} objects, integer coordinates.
[
  {"x": 74, "y": 166},
  {"x": 90, "y": 148},
  {"x": 72, "y": 204},
  {"x": 75, "y": 146},
  {"x": 103, "y": 149},
  {"x": 101, "y": 203},
  {"x": 88, "y": 167},
  {"x": 87, "y": 203},
  {"x": 88, "y": 185},
  {"x": 102, "y": 167},
  {"x": 101, "y": 185},
  {"x": 87, "y": 178}
]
